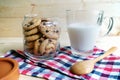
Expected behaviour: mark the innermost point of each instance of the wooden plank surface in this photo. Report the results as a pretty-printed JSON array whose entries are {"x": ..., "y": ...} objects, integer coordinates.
[
  {"x": 18, "y": 8},
  {"x": 12, "y": 12}
]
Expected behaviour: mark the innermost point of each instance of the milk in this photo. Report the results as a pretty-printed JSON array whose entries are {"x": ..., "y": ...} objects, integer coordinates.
[{"x": 83, "y": 36}]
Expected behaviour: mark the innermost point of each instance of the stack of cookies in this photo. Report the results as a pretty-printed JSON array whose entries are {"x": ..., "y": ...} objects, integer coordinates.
[{"x": 40, "y": 36}]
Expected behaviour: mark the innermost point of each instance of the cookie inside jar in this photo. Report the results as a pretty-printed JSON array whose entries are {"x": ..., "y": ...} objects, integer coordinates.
[{"x": 41, "y": 37}]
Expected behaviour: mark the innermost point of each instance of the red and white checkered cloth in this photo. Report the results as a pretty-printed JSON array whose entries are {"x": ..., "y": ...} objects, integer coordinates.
[{"x": 58, "y": 67}]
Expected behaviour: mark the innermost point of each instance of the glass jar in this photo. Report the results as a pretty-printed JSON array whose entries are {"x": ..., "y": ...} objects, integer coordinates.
[{"x": 41, "y": 37}]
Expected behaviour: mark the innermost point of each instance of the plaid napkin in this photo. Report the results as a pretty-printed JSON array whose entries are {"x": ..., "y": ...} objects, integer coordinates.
[{"x": 58, "y": 67}]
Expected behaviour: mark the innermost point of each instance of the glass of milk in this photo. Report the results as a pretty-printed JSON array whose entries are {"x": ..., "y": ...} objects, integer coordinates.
[{"x": 83, "y": 29}]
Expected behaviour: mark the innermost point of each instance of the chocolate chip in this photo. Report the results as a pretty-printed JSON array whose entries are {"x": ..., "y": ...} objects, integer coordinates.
[
  {"x": 44, "y": 20},
  {"x": 57, "y": 31},
  {"x": 50, "y": 40},
  {"x": 28, "y": 25},
  {"x": 40, "y": 41},
  {"x": 47, "y": 31},
  {"x": 31, "y": 23}
]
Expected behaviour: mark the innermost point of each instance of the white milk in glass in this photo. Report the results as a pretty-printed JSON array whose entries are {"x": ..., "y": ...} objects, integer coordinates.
[{"x": 83, "y": 36}]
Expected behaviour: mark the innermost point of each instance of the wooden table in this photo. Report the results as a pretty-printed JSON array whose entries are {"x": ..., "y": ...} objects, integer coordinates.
[{"x": 17, "y": 43}]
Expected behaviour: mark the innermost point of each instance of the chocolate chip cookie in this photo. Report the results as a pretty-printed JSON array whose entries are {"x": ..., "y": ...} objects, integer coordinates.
[{"x": 50, "y": 30}]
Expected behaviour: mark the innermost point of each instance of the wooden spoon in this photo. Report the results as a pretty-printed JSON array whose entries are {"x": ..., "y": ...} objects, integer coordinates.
[{"x": 84, "y": 67}]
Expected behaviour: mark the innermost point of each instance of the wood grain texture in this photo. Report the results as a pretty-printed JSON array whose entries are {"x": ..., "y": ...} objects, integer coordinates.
[
  {"x": 18, "y": 8},
  {"x": 12, "y": 12},
  {"x": 10, "y": 27}
]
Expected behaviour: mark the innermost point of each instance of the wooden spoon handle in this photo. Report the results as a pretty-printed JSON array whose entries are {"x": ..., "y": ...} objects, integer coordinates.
[{"x": 108, "y": 52}]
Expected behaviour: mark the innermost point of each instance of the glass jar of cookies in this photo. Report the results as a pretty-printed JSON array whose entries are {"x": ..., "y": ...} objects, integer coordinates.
[{"x": 41, "y": 37}]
